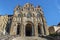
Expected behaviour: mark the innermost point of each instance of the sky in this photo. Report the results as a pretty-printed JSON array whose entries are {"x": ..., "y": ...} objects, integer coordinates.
[{"x": 51, "y": 8}]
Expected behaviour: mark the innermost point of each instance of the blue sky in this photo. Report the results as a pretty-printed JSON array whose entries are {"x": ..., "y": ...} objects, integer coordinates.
[{"x": 51, "y": 8}]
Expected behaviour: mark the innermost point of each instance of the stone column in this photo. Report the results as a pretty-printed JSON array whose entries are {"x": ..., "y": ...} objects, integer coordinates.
[
  {"x": 13, "y": 29},
  {"x": 32, "y": 30},
  {"x": 22, "y": 30},
  {"x": 36, "y": 30},
  {"x": 22, "y": 26},
  {"x": 42, "y": 30},
  {"x": 45, "y": 26},
  {"x": 35, "y": 27}
]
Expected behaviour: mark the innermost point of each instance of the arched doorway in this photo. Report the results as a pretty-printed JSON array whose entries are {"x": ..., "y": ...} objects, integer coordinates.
[
  {"x": 18, "y": 29},
  {"x": 28, "y": 30},
  {"x": 39, "y": 29}
]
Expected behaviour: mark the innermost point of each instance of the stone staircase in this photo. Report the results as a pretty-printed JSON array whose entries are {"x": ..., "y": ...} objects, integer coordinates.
[
  {"x": 8, "y": 37},
  {"x": 29, "y": 38}
]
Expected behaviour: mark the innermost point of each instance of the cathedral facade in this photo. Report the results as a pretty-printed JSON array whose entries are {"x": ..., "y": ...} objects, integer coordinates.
[{"x": 25, "y": 21}]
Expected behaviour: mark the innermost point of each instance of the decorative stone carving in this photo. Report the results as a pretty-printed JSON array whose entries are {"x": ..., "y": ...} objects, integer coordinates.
[{"x": 29, "y": 16}]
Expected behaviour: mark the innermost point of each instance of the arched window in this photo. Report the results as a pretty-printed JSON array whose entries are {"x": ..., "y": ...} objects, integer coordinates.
[
  {"x": 38, "y": 14},
  {"x": 19, "y": 15},
  {"x": 28, "y": 8},
  {"x": 19, "y": 18},
  {"x": 29, "y": 15},
  {"x": 17, "y": 11}
]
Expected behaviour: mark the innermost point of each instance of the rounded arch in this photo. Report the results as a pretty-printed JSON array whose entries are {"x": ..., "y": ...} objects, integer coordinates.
[
  {"x": 38, "y": 15},
  {"x": 39, "y": 29},
  {"x": 29, "y": 7},
  {"x": 18, "y": 28},
  {"x": 29, "y": 29}
]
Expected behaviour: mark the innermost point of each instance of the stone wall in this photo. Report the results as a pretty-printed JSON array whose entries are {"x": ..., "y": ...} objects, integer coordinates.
[{"x": 3, "y": 23}]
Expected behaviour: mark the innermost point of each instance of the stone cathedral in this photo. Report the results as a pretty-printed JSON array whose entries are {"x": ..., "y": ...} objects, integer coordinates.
[{"x": 25, "y": 21}]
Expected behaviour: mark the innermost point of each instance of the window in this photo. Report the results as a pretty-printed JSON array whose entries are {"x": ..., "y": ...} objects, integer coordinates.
[
  {"x": 17, "y": 11},
  {"x": 19, "y": 15},
  {"x": 29, "y": 15},
  {"x": 28, "y": 8},
  {"x": 38, "y": 15}
]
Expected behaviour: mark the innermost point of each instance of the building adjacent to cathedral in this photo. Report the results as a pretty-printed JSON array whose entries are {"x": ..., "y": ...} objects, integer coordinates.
[{"x": 25, "y": 21}]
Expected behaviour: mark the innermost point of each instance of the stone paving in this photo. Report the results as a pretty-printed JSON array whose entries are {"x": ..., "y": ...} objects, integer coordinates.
[
  {"x": 8, "y": 37},
  {"x": 17, "y": 37}
]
